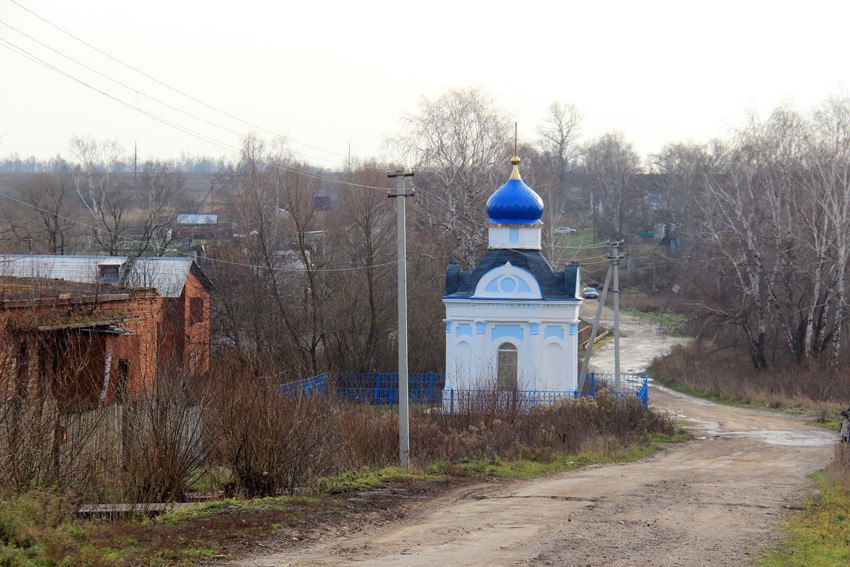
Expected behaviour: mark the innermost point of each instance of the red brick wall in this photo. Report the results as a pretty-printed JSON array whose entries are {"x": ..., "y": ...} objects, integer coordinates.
[
  {"x": 184, "y": 333},
  {"x": 71, "y": 363},
  {"x": 197, "y": 325}
]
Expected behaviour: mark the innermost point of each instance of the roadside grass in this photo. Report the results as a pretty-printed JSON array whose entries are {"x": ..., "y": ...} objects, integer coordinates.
[
  {"x": 726, "y": 400},
  {"x": 301, "y": 467},
  {"x": 223, "y": 529},
  {"x": 820, "y": 416},
  {"x": 819, "y": 533}
]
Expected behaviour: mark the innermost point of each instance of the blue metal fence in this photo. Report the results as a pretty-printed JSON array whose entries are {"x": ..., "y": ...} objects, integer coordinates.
[{"x": 428, "y": 388}]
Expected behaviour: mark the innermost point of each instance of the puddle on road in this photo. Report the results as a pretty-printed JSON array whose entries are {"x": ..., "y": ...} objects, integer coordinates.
[
  {"x": 785, "y": 438},
  {"x": 790, "y": 438},
  {"x": 711, "y": 429}
]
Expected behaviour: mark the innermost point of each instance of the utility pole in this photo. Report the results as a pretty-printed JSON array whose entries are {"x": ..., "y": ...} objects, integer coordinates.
[
  {"x": 403, "y": 397},
  {"x": 615, "y": 257}
]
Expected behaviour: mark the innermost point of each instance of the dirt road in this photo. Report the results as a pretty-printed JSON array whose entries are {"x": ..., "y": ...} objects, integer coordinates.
[{"x": 711, "y": 501}]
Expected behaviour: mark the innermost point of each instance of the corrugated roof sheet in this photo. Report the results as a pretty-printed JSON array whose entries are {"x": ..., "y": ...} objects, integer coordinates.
[
  {"x": 186, "y": 218},
  {"x": 167, "y": 275}
]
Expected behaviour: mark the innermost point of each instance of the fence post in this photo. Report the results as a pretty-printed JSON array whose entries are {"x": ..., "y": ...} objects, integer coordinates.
[
  {"x": 452, "y": 401},
  {"x": 376, "y": 397},
  {"x": 430, "y": 387}
]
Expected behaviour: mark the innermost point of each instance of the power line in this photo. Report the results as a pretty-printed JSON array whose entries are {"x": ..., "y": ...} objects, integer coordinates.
[
  {"x": 17, "y": 49},
  {"x": 20, "y": 51},
  {"x": 185, "y": 254},
  {"x": 169, "y": 87},
  {"x": 117, "y": 82}
]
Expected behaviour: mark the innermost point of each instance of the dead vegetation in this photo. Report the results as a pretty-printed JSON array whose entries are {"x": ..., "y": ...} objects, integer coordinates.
[
  {"x": 721, "y": 373},
  {"x": 242, "y": 438}
]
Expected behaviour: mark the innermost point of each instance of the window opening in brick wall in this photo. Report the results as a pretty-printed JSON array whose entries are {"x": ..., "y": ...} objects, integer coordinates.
[
  {"x": 121, "y": 381},
  {"x": 196, "y": 310}
]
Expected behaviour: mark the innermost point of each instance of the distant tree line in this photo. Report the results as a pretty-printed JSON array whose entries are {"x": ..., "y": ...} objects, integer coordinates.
[{"x": 753, "y": 230}]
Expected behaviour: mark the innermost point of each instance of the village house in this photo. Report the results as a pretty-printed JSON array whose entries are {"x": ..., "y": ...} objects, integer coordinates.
[{"x": 180, "y": 325}]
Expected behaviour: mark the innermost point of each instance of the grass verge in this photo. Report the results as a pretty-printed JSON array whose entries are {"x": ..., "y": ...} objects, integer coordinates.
[
  {"x": 673, "y": 323},
  {"x": 225, "y": 529},
  {"x": 819, "y": 533},
  {"x": 734, "y": 402}
]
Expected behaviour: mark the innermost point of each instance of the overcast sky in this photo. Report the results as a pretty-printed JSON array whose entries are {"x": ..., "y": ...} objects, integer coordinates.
[{"x": 330, "y": 74}]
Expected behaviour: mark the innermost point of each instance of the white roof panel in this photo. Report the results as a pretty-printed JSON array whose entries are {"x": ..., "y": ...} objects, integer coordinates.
[
  {"x": 167, "y": 275},
  {"x": 186, "y": 218}
]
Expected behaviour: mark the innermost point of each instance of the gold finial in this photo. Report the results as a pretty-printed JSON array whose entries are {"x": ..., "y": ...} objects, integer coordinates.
[{"x": 515, "y": 160}]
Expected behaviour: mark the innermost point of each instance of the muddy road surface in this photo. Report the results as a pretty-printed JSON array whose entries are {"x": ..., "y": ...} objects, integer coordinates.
[{"x": 715, "y": 500}]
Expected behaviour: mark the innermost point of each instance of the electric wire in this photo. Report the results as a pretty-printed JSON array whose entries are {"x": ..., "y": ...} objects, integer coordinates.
[
  {"x": 157, "y": 81},
  {"x": 17, "y": 49},
  {"x": 222, "y": 145},
  {"x": 188, "y": 255},
  {"x": 117, "y": 82}
]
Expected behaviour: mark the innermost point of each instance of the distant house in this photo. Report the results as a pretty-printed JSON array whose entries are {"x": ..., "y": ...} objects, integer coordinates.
[
  {"x": 182, "y": 296},
  {"x": 195, "y": 219},
  {"x": 81, "y": 344},
  {"x": 197, "y": 231}
]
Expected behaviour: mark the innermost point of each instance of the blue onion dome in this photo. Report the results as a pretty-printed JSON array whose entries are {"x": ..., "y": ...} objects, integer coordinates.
[{"x": 515, "y": 202}]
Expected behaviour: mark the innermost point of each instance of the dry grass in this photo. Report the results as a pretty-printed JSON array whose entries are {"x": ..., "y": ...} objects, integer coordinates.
[
  {"x": 726, "y": 375},
  {"x": 259, "y": 443}
]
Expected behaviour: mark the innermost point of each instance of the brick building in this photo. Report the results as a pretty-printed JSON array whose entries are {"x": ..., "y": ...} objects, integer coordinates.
[
  {"x": 165, "y": 309},
  {"x": 83, "y": 344}
]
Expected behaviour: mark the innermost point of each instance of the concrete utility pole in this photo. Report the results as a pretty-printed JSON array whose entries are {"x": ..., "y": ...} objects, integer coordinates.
[
  {"x": 600, "y": 303},
  {"x": 403, "y": 397},
  {"x": 615, "y": 258}
]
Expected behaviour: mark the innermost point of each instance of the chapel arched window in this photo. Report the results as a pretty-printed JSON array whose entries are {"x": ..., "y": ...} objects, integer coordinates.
[{"x": 507, "y": 367}]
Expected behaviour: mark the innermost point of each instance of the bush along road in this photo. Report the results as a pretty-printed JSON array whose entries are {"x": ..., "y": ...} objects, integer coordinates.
[{"x": 714, "y": 500}]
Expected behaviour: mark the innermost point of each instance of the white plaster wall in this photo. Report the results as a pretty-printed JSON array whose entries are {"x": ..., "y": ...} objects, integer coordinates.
[
  {"x": 471, "y": 359},
  {"x": 517, "y": 237}
]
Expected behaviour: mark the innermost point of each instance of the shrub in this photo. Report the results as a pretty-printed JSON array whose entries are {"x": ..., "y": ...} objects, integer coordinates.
[
  {"x": 162, "y": 441},
  {"x": 272, "y": 442}
]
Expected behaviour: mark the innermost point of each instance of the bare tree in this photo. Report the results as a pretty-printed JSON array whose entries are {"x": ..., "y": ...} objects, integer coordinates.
[
  {"x": 611, "y": 163},
  {"x": 45, "y": 215},
  {"x": 831, "y": 178},
  {"x": 96, "y": 184},
  {"x": 459, "y": 144},
  {"x": 162, "y": 189},
  {"x": 364, "y": 314},
  {"x": 684, "y": 168},
  {"x": 558, "y": 142},
  {"x": 275, "y": 290}
]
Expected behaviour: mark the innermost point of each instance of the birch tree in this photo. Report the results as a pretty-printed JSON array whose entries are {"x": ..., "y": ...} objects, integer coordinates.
[
  {"x": 160, "y": 192},
  {"x": 459, "y": 144},
  {"x": 830, "y": 158},
  {"x": 96, "y": 183}
]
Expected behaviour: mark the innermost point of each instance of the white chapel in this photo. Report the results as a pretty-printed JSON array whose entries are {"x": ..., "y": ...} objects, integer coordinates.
[{"x": 512, "y": 322}]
